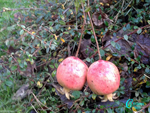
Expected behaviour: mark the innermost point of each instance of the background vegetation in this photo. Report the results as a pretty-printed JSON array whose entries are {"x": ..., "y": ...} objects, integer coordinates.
[{"x": 37, "y": 35}]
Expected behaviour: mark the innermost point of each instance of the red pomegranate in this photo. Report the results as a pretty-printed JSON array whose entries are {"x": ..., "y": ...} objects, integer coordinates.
[
  {"x": 103, "y": 78},
  {"x": 71, "y": 74}
]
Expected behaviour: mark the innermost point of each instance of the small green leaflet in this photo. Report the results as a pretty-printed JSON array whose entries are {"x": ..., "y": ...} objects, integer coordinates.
[
  {"x": 118, "y": 47},
  {"x": 76, "y": 94},
  {"x": 125, "y": 37},
  {"x": 113, "y": 43},
  {"x": 102, "y": 52},
  {"x": 139, "y": 31}
]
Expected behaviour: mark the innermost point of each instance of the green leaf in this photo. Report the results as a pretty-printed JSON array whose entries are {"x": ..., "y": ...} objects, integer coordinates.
[
  {"x": 101, "y": 107},
  {"x": 124, "y": 29},
  {"x": 86, "y": 93},
  {"x": 23, "y": 26},
  {"x": 87, "y": 9},
  {"x": 125, "y": 37},
  {"x": 7, "y": 42},
  {"x": 147, "y": 70},
  {"x": 21, "y": 32},
  {"x": 99, "y": 17},
  {"x": 13, "y": 68},
  {"x": 92, "y": 39},
  {"x": 53, "y": 73},
  {"x": 1, "y": 67},
  {"x": 105, "y": 22},
  {"x": 136, "y": 27},
  {"x": 66, "y": 33},
  {"x": 11, "y": 28},
  {"x": 102, "y": 52},
  {"x": 118, "y": 47},
  {"x": 51, "y": 66},
  {"x": 136, "y": 94},
  {"x": 45, "y": 68},
  {"x": 9, "y": 83},
  {"x": 76, "y": 94},
  {"x": 113, "y": 43},
  {"x": 82, "y": 103},
  {"x": 139, "y": 31},
  {"x": 148, "y": 21},
  {"x": 117, "y": 102},
  {"x": 128, "y": 26},
  {"x": 77, "y": 5},
  {"x": 122, "y": 87},
  {"x": 109, "y": 110},
  {"x": 88, "y": 59},
  {"x": 120, "y": 110},
  {"x": 149, "y": 109},
  {"x": 94, "y": 96},
  {"x": 8, "y": 72},
  {"x": 56, "y": 65},
  {"x": 62, "y": 22}
]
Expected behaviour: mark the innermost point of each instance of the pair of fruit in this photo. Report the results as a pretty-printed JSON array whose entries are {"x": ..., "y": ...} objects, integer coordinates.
[{"x": 102, "y": 76}]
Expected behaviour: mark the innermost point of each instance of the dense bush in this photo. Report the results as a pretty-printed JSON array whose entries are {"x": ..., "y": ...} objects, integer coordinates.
[{"x": 38, "y": 38}]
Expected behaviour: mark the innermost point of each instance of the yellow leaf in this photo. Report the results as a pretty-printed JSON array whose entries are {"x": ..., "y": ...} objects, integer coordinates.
[
  {"x": 135, "y": 69},
  {"x": 109, "y": 57},
  {"x": 129, "y": 5},
  {"x": 27, "y": 59},
  {"x": 69, "y": 28},
  {"x": 134, "y": 79},
  {"x": 63, "y": 6},
  {"x": 107, "y": 4},
  {"x": 44, "y": 60},
  {"x": 133, "y": 109},
  {"x": 145, "y": 31},
  {"x": 82, "y": 16},
  {"x": 33, "y": 32},
  {"x": 62, "y": 40},
  {"x": 145, "y": 80},
  {"x": 101, "y": 3},
  {"x": 60, "y": 60},
  {"x": 72, "y": 13},
  {"x": 38, "y": 83},
  {"x": 120, "y": 71},
  {"x": 120, "y": 59},
  {"x": 94, "y": 96},
  {"x": 55, "y": 36}
]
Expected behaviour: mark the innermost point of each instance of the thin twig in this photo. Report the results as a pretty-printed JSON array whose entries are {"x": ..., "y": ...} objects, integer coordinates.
[
  {"x": 94, "y": 35},
  {"x": 81, "y": 33}
]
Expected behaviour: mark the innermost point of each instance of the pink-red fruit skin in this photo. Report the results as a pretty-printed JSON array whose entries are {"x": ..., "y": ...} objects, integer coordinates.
[
  {"x": 103, "y": 77},
  {"x": 72, "y": 73}
]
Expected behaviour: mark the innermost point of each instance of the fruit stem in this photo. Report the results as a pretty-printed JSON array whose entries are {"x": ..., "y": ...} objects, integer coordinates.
[
  {"x": 94, "y": 34},
  {"x": 67, "y": 94},
  {"x": 81, "y": 32}
]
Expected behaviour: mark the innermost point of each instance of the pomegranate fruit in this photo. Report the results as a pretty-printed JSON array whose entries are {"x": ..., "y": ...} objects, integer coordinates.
[
  {"x": 103, "y": 78},
  {"x": 71, "y": 74}
]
